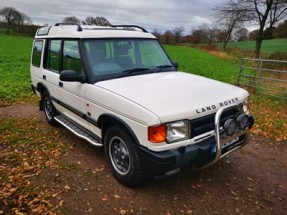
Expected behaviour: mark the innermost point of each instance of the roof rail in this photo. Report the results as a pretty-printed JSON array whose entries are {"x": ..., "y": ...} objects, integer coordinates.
[
  {"x": 78, "y": 29},
  {"x": 130, "y": 26}
]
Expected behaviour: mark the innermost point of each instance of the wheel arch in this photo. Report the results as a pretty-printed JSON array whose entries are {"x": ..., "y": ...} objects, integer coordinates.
[
  {"x": 41, "y": 88},
  {"x": 107, "y": 120}
]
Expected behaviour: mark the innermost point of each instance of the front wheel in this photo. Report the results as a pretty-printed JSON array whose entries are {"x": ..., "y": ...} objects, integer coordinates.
[
  {"x": 123, "y": 158},
  {"x": 49, "y": 109}
]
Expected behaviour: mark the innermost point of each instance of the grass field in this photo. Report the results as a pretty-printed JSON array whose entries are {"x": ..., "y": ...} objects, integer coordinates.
[
  {"x": 14, "y": 67},
  {"x": 201, "y": 63},
  {"x": 15, "y": 79},
  {"x": 268, "y": 46},
  {"x": 15, "y": 58}
]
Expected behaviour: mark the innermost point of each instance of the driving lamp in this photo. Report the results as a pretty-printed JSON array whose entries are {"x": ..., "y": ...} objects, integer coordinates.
[
  {"x": 242, "y": 121},
  {"x": 229, "y": 127}
]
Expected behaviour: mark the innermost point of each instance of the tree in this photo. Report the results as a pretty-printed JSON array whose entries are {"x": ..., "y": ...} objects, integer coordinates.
[
  {"x": 230, "y": 15},
  {"x": 268, "y": 33},
  {"x": 220, "y": 35},
  {"x": 156, "y": 33},
  {"x": 241, "y": 34},
  {"x": 177, "y": 33},
  {"x": 265, "y": 13},
  {"x": 253, "y": 34},
  {"x": 167, "y": 37},
  {"x": 101, "y": 21},
  {"x": 71, "y": 20},
  {"x": 210, "y": 33},
  {"x": 197, "y": 35},
  {"x": 22, "y": 20},
  {"x": 281, "y": 30},
  {"x": 10, "y": 17}
]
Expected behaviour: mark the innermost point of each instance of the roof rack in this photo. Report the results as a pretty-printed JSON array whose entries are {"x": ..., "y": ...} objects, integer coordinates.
[
  {"x": 130, "y": 26},
  {"x": 78, "y": 29}
]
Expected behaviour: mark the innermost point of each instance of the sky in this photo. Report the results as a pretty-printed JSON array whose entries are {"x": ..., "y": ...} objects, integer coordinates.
[{"x": 150, "y": 14}]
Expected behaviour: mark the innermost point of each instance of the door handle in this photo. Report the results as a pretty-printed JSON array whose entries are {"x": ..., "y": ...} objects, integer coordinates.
[
  {"x": 61, "y": 84},
  {"x": 44, "y": 77}
]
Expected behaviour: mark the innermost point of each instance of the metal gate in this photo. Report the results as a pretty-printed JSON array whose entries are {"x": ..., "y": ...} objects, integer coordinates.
[{"x": 268, "y": 77}]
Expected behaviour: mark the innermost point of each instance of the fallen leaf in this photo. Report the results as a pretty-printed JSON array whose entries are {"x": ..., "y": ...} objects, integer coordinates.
[
  {"x": 117, "y": 197},
  {"x": 61, "y": 203},
  {"x": 123, "y": 211},
  {"x": 105, "y": 198}
]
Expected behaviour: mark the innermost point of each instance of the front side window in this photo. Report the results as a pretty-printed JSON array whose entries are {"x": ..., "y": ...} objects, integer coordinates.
[
  {"x": 37, "y": 53},
  {"x": 115, "y": 58},
  {"x": 54, "y": 55},
  {"x": 71, "y": 56}
]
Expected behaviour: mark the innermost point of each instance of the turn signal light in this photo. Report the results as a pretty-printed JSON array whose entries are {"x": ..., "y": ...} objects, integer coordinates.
[{"x": 157, "y": 134}]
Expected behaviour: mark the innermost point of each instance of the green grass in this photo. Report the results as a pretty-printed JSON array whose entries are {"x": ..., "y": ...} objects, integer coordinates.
[
  {"x": 198, "y": 62},
  {"x": 14, "y": 67},
  {"x": 268, "y": 46},
  {"x": 15, "y": 59}
]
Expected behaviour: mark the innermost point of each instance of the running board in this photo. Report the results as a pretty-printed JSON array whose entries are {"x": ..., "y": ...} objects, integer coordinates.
[{"x": 77, "y": 130}]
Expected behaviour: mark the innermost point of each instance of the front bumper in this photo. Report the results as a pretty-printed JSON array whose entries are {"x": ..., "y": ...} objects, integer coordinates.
[
  {"x": 162, "y": 164},
  {"x": 200, "y": 155}
]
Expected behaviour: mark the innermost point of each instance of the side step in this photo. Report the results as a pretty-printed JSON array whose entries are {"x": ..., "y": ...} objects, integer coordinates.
[{"x": 77, "y": 130}]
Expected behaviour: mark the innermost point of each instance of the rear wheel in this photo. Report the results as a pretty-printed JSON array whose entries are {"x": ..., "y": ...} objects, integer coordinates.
[
  {"x": 49, "y": 109},
  {"x": 122, "y": 157}
]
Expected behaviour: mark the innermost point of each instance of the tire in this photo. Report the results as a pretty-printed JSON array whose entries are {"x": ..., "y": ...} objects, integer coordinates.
[
  {"x": 123, "y": 158},
  {"x": 49, "y": 109}
]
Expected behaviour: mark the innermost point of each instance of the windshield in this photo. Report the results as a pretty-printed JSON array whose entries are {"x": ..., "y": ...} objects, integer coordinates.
[{"x": 115, "y": 58}]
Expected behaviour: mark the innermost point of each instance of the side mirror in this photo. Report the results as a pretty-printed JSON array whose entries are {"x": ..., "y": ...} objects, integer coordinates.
[
  {"x": 175, "y": 64},
  {"x": 70, "y": 76}
]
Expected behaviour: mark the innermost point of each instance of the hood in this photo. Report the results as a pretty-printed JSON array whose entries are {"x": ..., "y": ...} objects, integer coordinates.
[{"x": 175, "y": 95}]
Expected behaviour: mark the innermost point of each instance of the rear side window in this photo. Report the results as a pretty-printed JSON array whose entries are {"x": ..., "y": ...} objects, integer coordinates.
[
  {"x": 54, "y": 55},
  {"x": 37, "y": 53},
  {"x": 71, "y": 56}
]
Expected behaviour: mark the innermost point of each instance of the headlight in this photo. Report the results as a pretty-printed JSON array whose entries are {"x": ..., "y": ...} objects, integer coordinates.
[
  {"x": 177, "y": 131},
  {"x": 245, "y": 105}
]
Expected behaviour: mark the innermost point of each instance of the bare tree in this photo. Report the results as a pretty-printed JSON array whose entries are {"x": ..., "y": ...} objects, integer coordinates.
[
  {"x": 177, "y": 33},
  {"x": 253, "y": 34},
  {"x": 241, "y": 34},
  {"x": 71, "y": 20},
  {"x": 220, "y": 35},
  {"x": 167, "y": 37},
  {"x": 22, "y": 20},
  {"x": 230, "y": 15},
  {"x": 101, "y": 21},
  {"x": 263, "y": 12},
  {"x": 281, "y": 30},
  {"x": 156, "y": 33},
  {"x": 266, "y": 13},
  {"x": 198, "y": 35},
  {"x": 210, "y": 33},
  {"x": 10, "y": 17}
]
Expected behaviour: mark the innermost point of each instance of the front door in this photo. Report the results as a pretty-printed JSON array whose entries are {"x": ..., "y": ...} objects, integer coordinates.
[{"x": 72, "y": 93}]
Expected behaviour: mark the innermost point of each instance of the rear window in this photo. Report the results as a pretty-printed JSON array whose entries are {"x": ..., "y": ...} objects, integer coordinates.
[
  {"x": 37, "y": 53},
  {"x": 54, "y": 55}
]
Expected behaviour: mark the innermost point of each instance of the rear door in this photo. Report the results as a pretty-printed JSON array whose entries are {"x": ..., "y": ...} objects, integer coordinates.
[{"x": 52, "y": 65}]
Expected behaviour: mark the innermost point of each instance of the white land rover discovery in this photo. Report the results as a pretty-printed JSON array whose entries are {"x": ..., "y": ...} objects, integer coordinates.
[{"x": 116, "y": 87}]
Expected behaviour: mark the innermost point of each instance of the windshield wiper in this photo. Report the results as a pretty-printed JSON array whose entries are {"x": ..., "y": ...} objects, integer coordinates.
[
  {"x": 127, "y": 72},
  {"x": 159, "y": 68}
]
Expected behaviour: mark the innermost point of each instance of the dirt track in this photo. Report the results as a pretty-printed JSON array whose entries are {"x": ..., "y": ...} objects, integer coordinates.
[{"x": 250, "y": 181}]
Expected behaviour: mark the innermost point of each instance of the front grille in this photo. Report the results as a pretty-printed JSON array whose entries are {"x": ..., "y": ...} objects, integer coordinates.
[{"x": 205, "y": 124}]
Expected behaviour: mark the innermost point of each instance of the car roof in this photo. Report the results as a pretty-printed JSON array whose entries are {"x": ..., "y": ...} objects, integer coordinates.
[{"x": 62, "y": 30}]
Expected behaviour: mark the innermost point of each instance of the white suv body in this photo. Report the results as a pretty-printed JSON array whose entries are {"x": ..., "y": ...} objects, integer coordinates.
[{"x": 117, "y": 88}]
